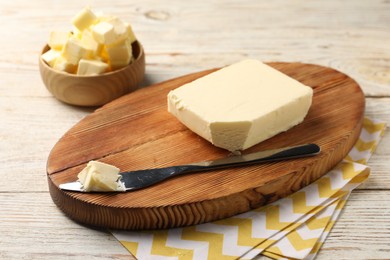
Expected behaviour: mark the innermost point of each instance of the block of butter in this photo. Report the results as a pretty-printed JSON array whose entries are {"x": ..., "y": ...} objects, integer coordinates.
[
  {"x": 98, "y": 176},
  {"x": 241, "y": 105}
]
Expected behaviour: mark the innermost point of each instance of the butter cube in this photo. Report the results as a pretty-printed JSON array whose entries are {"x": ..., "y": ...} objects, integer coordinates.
[
  {"x": 74, "y": 50},
  {"x": 84, "y": 19},
  {"x": 119, "y": 55},
  {"x": 91, "y": 67},
  {"x": 90, "y": 43},
  {"x": 64, "y": 65},
  {"x": 98, "y": 176},
  {"x": 103, "y": 32},
  {"x": 130, "y": 33},
  {"x": 120, "y": 29},
  {"x": 110, "y": 32},
  {"x": 51, "y": 56},
  {"x": 58, "y": 39}
]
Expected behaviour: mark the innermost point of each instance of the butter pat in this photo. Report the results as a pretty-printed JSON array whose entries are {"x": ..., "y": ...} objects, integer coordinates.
[
  {"x": 90, "y": 43},
  {"x": 241, "y": 105},
  {"x": 104, "y": 33},
  {"x": 91, "y": 67},
  {"x": 51, "y": 56},
  {"x": 119, "y": 55},
  {"x": 130, "y": 33},
  {"x": 120, "y": 29},
  {"x": 57, "y": 39},
  {"x": 74, "y": 50},
  {"x": 84, "y": 19},
  {"x": 64, "y": 65},
  {"x": 98, "y": 176}
]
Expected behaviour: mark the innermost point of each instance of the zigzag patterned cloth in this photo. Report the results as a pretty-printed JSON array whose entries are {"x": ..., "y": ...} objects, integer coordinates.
[{"x": 294, "y": 227}]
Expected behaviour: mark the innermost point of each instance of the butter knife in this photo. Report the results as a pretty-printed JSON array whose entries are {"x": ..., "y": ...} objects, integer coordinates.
[{"x": 134, "y": 180}]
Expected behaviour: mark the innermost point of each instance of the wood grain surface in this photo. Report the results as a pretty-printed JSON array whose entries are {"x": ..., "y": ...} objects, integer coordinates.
[
  {"x": 136, "y": 132},
  {"x": 181, "y": 37}
]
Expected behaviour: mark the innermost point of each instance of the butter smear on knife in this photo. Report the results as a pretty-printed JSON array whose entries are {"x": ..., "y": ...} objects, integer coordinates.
[
  {"x": 102, "y": 177},
  {"x": 241, "y": 105}
]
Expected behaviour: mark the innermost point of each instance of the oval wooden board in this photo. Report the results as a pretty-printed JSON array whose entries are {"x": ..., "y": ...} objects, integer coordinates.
[{"x": 136, "y": 132}]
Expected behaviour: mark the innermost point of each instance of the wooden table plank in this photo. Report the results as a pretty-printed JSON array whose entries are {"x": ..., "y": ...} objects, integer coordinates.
[
  {"x": 360, "y": 233},
  {"x": 32, "y": 227}
]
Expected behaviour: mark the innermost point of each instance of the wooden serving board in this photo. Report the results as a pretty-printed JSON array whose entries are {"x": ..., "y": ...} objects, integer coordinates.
[{"x": 136, "y": 132}]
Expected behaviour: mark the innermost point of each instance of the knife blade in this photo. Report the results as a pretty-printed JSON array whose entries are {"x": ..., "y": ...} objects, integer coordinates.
[{"x": 134, "y": 180}]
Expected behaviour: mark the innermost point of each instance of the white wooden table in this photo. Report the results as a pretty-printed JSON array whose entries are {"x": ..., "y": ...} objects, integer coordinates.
[{"x": 182, "y": 37}]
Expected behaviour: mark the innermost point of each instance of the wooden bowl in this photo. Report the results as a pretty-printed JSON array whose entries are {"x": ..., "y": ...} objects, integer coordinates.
[{"x": 94, "y": 90}]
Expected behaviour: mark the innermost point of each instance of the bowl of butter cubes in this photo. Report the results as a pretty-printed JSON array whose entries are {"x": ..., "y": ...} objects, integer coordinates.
[{"x": 93, "y": 64}]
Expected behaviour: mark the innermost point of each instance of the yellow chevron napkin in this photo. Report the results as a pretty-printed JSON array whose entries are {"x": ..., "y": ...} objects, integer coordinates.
[{"x": 293, "y": 227}]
